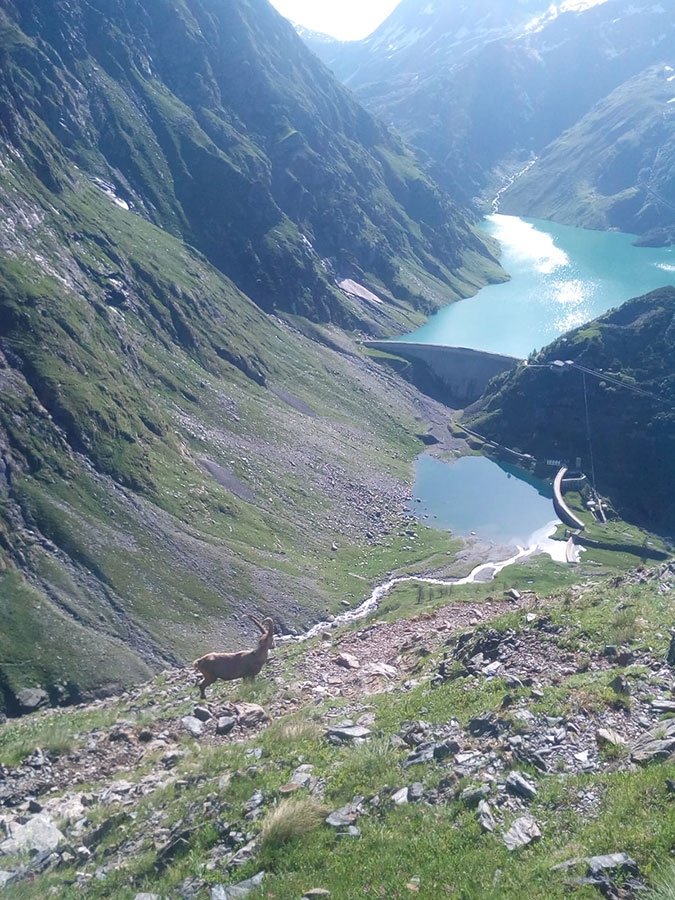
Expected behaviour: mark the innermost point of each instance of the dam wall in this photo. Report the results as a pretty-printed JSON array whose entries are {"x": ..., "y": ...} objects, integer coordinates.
[{"x": 463, "y": 372}]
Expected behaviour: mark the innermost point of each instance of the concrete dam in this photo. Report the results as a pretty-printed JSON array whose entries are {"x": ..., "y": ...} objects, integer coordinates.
[{"x": 464, "y": 373}]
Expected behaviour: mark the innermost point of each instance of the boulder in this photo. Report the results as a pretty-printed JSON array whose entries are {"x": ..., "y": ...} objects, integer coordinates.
[
  {"x": 37, "y": 835},
  {"x": 615, "y": 863},
  {"x": 250, "y": 715},
  {"x": 518, "y": 784},
  {"x": 347, "y": 661},
  {"x": 659, "y": 743},
  {"x": 236, "y": 891},
  {"x": 193, "y": 726},
  {"x": 225, "y": 724},
  {"x": 31, "y": 699}
]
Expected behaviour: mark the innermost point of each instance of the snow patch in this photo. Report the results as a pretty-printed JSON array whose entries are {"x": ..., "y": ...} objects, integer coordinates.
[
  {"x": 555, "y": 10},
  {"x": 109, "y": 190},
  {"x": 354, "y": 289}
]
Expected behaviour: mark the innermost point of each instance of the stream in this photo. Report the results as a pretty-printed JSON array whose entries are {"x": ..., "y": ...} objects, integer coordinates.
[{"x": 483, "y": 573}]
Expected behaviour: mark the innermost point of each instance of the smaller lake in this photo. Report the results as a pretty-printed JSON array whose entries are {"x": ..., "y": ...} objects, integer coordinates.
[{"x": 499, "y": 503}]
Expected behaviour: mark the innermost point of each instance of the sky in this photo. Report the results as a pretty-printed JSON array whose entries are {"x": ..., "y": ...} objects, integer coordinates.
[{"x": 347, "y": 20}]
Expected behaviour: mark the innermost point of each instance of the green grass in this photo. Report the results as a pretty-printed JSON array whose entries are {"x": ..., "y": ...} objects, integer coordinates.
[
  {"x": 420, "y": 850},
  {"x": 57, "y": 731}
]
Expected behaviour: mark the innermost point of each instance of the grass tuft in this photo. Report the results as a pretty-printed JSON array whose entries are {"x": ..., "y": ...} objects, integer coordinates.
[
  {"x": 292, "y": 819},
  {"x": 664, "y": 884}
]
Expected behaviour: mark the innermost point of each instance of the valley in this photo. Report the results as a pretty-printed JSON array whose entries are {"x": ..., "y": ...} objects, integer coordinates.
[{"x": 212, "y": 243}]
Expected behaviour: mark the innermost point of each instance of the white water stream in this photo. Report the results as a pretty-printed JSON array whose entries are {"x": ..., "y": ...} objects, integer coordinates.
[{"x": 542, "y": 543}]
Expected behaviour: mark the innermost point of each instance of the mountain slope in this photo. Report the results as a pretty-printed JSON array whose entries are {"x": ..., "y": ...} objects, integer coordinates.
[
  {"x": 478, "y": 87},
  {"x": 615, "y": 168},
  {"x": 485, "y": 754},
  {"x": 625, "y": 434},
  {"x": 171, "y": 454},
  {"x": 212, "y": 120}
]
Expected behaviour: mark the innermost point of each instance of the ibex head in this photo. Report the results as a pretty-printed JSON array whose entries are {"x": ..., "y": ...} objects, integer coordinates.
[{"x": 266, "y": 628}]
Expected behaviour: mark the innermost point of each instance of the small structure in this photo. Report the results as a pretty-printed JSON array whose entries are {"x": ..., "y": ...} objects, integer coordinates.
[{"x": 562, "y": 510}]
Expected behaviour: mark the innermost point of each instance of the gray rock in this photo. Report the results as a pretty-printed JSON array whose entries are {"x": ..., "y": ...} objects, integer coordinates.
[
  {"x": 473, "y": 795},
  {"x": 253, "y": 804},
  {"x": 345, "y": 816},
  {"x": 423, "y": 754},
  {"x": 225, "y": 724},
  {"x": 609, "y": 736},
  {"x": 303, "y": 775},
  {"x": 348, "y": 732},
  {"x": 38, "y": 835},
  {"x": 202, "y": 713},
  {"x": 485, "y": 817},
  {"x": 518, "y": 784},
  {"x": 379, "y": 668},
  {"x": 147, "y": 897},
  {"x": 191, "y": 888},
  {"x": 401, "y": 796},
  {"x": 347, "y": 661},
  {"x": 193, "y": 726},
  {"x": 620, "y": 685},
  {"x": 37, "y": 759},
  {"x": 341, "y": 818},
  {"x": 612, "y": 862},
  {"x": 670, "y": 658},
  {"x": 523, "y": 831},
  {"x": 351, "y": 832},
  {"x": 486, "y": 725},
  {"x": 250, "y": 715},
  {"x": 236, "y": 891},
  {"x": 659, "y": 743},
  {"x": 31, "y": 699},
  {"x": 314, "y": 893},
  {"x": 416, "y": 792},
  {"x": 663, "y": 706},
  {"x": 4, "y": 878}
]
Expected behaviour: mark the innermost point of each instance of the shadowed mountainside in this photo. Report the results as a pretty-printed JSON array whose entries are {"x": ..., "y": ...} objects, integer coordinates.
[
  {"x": 625, "y": 434},
  {"x": 479, "y": 88}
]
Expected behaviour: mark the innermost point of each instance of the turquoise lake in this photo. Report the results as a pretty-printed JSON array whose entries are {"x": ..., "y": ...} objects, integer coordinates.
[
  {"x": 561, "y": 277},
  {"x": 499, "y": 503}
]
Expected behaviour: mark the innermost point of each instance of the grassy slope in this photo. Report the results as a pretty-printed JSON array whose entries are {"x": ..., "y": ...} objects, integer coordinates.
[
  {"x": 127, "y": 362},
  {"x": 429, "y": 850},
  {"x": 169, "y": 454},
  {"x": 613, "y": 169}
]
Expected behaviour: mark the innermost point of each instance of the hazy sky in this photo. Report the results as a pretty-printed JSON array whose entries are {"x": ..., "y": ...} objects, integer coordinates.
[{"x": 348, "y": 20}]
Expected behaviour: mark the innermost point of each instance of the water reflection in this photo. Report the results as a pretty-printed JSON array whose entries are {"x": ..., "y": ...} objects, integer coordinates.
[{"x": 561, "y": 277}]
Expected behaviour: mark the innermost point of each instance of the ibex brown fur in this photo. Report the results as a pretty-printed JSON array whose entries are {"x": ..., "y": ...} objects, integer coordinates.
[{"x": 242, "y": 664}]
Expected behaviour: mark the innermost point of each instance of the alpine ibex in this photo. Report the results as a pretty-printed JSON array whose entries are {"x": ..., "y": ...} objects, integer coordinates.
[{"x": 241, "y": 664}]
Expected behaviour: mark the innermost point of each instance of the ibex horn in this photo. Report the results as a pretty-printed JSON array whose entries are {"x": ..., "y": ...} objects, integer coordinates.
[{"x": 257, "y": 622}]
